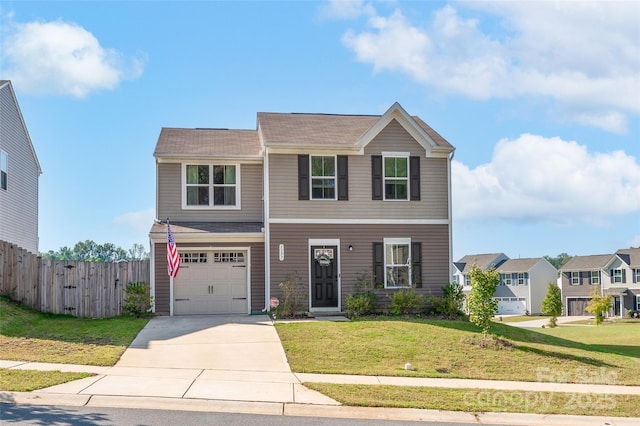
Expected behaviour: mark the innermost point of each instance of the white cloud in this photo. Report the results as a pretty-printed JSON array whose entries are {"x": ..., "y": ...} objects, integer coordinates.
[
  {"x": 583, "y": 55},
  {"x": 137, "y": 221},
  {"x": 346, "y": 9},
  {"x": 547, "y": 180},
  {"x": 62, "y": 58}
]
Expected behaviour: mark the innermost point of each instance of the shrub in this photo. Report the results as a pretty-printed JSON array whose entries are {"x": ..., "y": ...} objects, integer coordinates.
[
  {"x": 292, "y": 296},
  {"x": 450, "y": 304},
  {"x": 137, "y": 301},
  {"x": 405, "y": 302},
  {"x": 361, "y": 304},
  {"x": 364, "y": 301}
]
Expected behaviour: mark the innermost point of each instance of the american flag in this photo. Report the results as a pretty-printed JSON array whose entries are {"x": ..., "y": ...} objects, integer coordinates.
[{"x": 173, "y": 259}]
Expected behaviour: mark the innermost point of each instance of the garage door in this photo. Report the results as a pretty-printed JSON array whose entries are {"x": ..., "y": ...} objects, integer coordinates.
[
  {"x": 511, "y": 305},
  {"x": 211, "y": 283},
  {"x": 578, "y": 306}
]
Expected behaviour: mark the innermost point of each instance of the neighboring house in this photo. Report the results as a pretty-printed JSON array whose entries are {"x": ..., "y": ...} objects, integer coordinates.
[
  {"x": 523, "y": 285},
  {"x": 623, "y": 283},
  {"x": 462, "y": 267},
  {"x": 325, "y": 197},
  {"x": 19, "y": 174},
  {"x": 523, "y": 282},
  {"x": 579, "y": 278}
]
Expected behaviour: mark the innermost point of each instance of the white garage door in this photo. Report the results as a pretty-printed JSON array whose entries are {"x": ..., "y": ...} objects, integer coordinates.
[
  {"x": 511, "y": 305},
  {"x": 211, "y": 283}
]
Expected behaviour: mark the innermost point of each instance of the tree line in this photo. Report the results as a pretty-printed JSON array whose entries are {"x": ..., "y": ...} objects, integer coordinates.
[{"x": 90, "y": 251}]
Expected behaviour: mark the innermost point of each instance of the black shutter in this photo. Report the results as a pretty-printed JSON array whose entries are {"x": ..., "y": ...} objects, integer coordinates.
[
  {"x": 414, "y": 181},
  {"x": 378, "y": 262},
  {"x": 624, "y": 276},
  {"x": 416, "y": 263},
  {"x": 376, "y": 177},
  {"x": 303, "y": 177},
  {"x": 343, "y": 177}
]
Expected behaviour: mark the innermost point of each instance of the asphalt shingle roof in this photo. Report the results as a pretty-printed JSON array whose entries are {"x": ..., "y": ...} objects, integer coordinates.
[
  {"x": 587, "y": 263},
  {"x": 208, "y": 143}
]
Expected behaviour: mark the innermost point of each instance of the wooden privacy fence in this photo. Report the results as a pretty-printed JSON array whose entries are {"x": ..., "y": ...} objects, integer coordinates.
[{"x": 83, "y": 289}]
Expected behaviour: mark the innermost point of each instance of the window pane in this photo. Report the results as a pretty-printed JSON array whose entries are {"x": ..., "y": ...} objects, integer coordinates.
[
  {"x": 3, "y": 161},
  {"x": 3, "y": 180},
  {"x": 224, "y": 196},
  {"x": 197, "y": 196},
  {"x": 395, "y": 167},
  {"x": 230, "y": 175},
  {"x": 397, "y": 254},
  {"x": 198, "y": 175},
  {"x": 323, "y": 189},
  {"x": 395, "y": 189},
  {"x": 218, "y": 175},
  {"x": 323, "y": 166},
  {"x": 398, "y": 276}
]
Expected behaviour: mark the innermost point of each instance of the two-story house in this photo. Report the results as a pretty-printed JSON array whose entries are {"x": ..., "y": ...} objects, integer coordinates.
[
  {"x": 19, "y": 174},
  {"x": 324, "y": 197},
  {"x": 579, "y": 278},
  {"x": 623, "y": 283},
  {"x": 523, "y": 282}
]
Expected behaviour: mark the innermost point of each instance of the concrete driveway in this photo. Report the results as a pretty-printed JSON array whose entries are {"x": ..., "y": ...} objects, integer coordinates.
[
  {"x": 233, "y": 358},
  {"x": 538, "y": 323},
  {"x": 212, "y": 342}
]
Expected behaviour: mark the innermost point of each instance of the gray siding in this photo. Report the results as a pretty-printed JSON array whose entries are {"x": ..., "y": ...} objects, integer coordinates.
[
  {"x": 162, "y": 278},
  {"x": 170, "y": 197},
  {"x": 295, "y": 237},
  {"x": 433, "y": 204},
  {"x": 583, "y": 290},
  {"x": 19, "y": 203}
]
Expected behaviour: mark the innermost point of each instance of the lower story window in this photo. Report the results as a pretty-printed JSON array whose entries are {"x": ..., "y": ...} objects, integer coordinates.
[
  {"x": 637, "y": 303},
  {"x": 397, "y": 262}
]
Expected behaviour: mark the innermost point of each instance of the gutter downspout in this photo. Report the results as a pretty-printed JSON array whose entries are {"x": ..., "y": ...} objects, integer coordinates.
[
  {"x": 450, "y": 158},
  {"x": 267, "y": 231}
]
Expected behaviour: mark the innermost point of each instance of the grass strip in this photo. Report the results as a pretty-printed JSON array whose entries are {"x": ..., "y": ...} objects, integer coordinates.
[
  {"x": 29, "y": 380},
  {"x": 481, "y": 400}
]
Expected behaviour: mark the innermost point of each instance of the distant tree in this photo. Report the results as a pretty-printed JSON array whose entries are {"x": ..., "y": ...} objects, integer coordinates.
[
  {"x": 598, "y": 305},
  {"x": 558, "y": 261},
  {"x": 138, "y": 252},
  {"x": 90, "y": 251},
  {"x": 480, "y": 302},
  {"x": 552, "y": 304}
]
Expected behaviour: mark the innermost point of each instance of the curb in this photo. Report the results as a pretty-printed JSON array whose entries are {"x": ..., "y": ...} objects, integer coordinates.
[{"x": 308, "y": 410}]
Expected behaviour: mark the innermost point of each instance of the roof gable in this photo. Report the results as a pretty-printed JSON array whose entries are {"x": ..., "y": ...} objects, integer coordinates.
[
  {"x": 630, "y": 256},
  {"x": 484, "y": 261},
  {"x": 6, "y": 85},
  {"x": 428, "y": 138}
]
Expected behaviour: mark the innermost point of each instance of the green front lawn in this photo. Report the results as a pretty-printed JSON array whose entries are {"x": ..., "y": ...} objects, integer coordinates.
[
  {"x": 519, "y": 318},
  {"x": 481, "y": 400},
  {"x": 29, "y": 335},
  {"x": 440, "y": 348}
]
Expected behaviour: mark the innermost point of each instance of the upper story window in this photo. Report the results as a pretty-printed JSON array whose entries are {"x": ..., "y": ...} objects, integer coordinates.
[
  {"x": 575, "y": 278},
  {"x": 4, "y": 161},
  {"x": 636, "y": 275},
  {"x": 505, "y": 279},
  {"x": 323, "y": 177},
  {"x": 523, "y": 278},
  {"x": 211, "y": 186},
  {"x": 616, "y": 276},
  {"x": 396, "y": 178},
  {"x": 467, "y": 280},
  {"x": 595, "y": 277}
]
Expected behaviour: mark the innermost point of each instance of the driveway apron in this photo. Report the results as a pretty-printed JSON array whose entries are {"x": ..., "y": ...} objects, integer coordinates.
[{"x": 234, "y": 358}]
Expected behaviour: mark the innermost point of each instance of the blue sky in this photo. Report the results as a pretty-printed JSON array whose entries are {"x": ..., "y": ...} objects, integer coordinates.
[{"x": 540, "y": 99}]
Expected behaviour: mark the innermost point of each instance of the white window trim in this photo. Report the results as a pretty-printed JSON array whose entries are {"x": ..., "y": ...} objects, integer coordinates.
[
  {"x": 211, "y": 206},
  {"x": 596, "y": 276},
  {"x": 637, "y": 303},
  {"x": 334, "y": 177},
  {"x": 613, "y": 277},
  {"x": 571, "y": 278},
  {"x": 4, "y": 168},
  {"x": 386, "y": 155},
  {"x": 398, "y": 241},
  {"x": 637, "y": 274}
]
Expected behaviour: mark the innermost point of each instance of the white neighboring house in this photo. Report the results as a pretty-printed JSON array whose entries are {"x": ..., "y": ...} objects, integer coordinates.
[
  {"x": 523, "y": 282},
  {"x": 523, "y": 285},
  {"x": 19, "y": 174}
]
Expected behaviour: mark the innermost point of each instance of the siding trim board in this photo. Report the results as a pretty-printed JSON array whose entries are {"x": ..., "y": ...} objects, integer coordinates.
[{"x": 361, "y": 221}]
